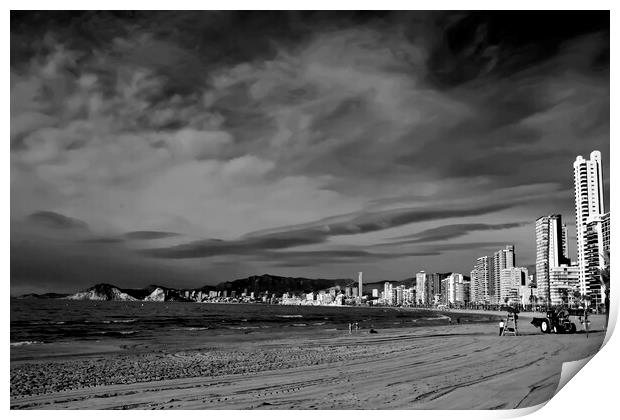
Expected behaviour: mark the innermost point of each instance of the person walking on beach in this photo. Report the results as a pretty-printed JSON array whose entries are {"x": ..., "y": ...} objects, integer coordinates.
[
  {"x": 357, "y": 327},
  {"x": 501, "y": 327},
  {"x": 350, "y": 327}
]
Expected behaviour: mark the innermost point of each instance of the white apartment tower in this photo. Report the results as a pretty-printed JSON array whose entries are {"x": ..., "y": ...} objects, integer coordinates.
[
  {"x": 512, "y": 282},
  {"x": 360, "y": 284},
  {"x": 588, "y": 205},
  {"x": 502, "y": 259},
  {"x": 455, "y": 289},
  {"x": 420, "y": 287},
  {"x": 479, "y": 289}
]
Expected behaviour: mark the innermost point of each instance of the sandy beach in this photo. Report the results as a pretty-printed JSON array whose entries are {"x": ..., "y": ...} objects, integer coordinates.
[{"x": 457, "y": 366}]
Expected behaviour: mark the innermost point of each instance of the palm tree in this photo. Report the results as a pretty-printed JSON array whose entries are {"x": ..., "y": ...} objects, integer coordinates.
[
  {"x": 564, "y": 296},
  {"x": 603, "y": 278}
]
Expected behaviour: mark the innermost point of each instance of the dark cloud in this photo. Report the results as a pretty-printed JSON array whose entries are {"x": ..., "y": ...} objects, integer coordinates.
[
  {"x": 50, "y": 219},
  {"x": 454, "y": 231},
  {"x": 316, "y": 232},
  {"x": 149, "y": 234}
]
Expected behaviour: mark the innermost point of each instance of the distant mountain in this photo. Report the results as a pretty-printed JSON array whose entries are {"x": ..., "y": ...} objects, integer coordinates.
[
  {"x": 102, "y": 291},
  {"x": 278, "y": 284},
  {"x": 43, "y": 296},
  {"x": 151, "y": 293}
]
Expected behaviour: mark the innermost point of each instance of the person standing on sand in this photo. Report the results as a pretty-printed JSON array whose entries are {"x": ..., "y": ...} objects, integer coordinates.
[
  {"x": 357, "y": 327},
  {"x": 350, "y": 327},
  {"x": 501, "y": 327}
]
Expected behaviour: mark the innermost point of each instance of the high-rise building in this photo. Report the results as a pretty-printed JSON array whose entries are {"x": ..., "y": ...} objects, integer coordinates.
[
  {"x": 512, "y": 280},
  {"x": 549, "y": 251},
  {"x": 588, "y": 204},
  {"x": 400, "y": 295},
  {"x": 502, "y": 259},
  {"x": 360, "y": 287},
  {"x": 480, "y": 275},
  {"x": 387, "y": 292},
  {"x": 456, "y": 289},
  {"x": 420, "y": 288},
  {"x": 564, "y": 281}
]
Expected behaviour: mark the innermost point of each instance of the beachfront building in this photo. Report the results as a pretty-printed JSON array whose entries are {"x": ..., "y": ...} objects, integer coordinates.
[
  {"x": 399, "y": 295},
  {"x": 409, "y": 296},
  {"x": 432, "y": 286},
  {"x": 479, "y": 291},
  {"x": 564, "y": 282},
  {"x": 596, "y": 245},
  {"x": 457, "y": 293},
  {"x": 420, "y": 288},
  {"x": 375, "y": 293},
  {"x": 512, "y": 280},
  {"x": 502, "y": 259},
  {"x": 549, "y": 252},
  {"x": 387, "y": 293},
  {"x": 589, "y": 203},
  {"x": 360, "y": 285},
  {"x": 288, "y": 300}
]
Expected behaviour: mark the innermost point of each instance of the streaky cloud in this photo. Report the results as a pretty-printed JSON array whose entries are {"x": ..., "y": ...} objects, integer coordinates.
[{"x": 149, "y": 234}]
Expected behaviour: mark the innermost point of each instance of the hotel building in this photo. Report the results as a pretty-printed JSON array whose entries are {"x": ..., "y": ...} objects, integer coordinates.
[
  {"x": 549, "y": 252},
  {"x": 502, "y": 259},
  {"x": 420, "y": 288},
  {"x": 479, "y": 290},
  {"x": 564, "y": 281},
  {"x": 589, "y": 203},
  {"x": 512, "y": 280}
]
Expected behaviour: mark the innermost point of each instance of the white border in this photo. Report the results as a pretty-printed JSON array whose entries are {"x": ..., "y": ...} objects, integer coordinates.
[{"x": 588, "y": 395}]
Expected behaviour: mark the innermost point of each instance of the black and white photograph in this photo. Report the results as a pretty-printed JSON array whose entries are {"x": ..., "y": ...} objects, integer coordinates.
[{"x": 306, "y": 210}]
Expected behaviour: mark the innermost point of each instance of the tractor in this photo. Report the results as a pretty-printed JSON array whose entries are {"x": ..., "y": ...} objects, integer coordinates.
[{"x": 557, "y": 321}]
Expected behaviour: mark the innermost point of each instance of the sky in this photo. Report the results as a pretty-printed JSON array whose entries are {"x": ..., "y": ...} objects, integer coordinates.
[{"x": 190, "y": 148}]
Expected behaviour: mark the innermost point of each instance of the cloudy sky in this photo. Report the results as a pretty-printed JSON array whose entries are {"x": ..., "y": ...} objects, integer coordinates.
[{"x": 186, "y": 149}]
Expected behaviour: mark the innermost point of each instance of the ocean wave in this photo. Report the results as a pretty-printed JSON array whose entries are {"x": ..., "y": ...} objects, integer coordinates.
[
  {"x": 289, "y": 316},
  {"x": 435, "y": 318},
  {"x": 195, "y": 328},
  {"x": 25, "y": 343},
  {"x": 119, "y": 321},
  {"x": 127, "y": 332},
  {"x": 300, "y": 325}
]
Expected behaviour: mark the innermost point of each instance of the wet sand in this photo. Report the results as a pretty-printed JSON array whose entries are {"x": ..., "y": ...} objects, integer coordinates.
[{"x": 464, "y": 366}]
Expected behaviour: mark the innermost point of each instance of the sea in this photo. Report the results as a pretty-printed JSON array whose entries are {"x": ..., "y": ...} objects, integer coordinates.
[{"x": 36, "y": 321}]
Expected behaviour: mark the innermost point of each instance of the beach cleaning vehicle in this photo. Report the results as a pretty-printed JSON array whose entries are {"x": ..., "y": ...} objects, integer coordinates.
[{"x": 557, "y": 321}]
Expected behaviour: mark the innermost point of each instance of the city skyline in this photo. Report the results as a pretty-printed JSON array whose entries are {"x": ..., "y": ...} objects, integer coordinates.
[{"x": 316, "y": 145}]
